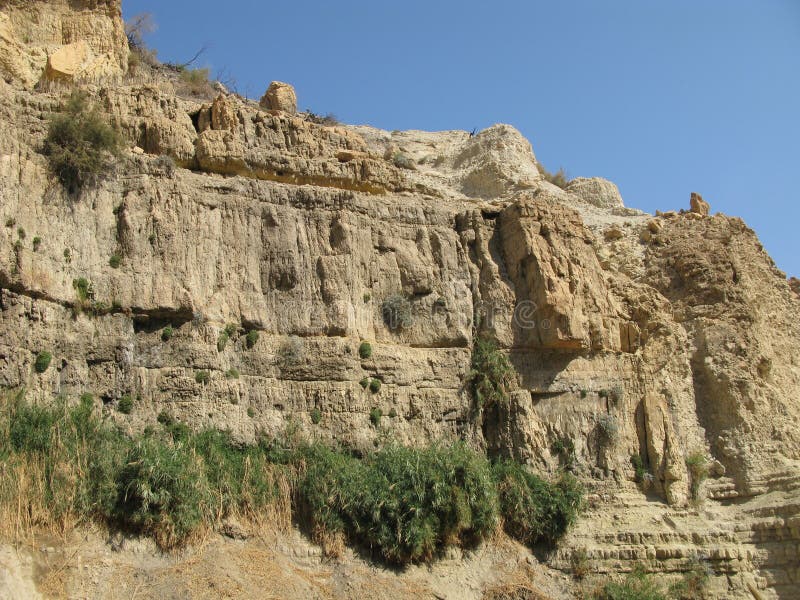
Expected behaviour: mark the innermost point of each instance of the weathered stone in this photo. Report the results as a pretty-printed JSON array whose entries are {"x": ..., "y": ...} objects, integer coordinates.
[
  {"x": 280, "y": 96},
  {"x": 698, "y": 205}
]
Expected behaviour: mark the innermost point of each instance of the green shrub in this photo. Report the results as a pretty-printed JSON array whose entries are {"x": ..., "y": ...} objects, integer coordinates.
[
  {"x": 364, "y": 383},
  {"x": 366, "y": 297},
  {"x": 492, "y": 376},
  {"x": 21, "y": 233},
  {"x": 397, "y": 312},
  {"x": 251, "y": 338},
  {"x": 125, "y": 404},
  {"x": 163, "y": 491},
  {"x": 533, "y": 509},
  {"x": 638, "y": 585},
  {"x": 232, "y": 374},
  {"x": 83, "y": 289},
  {"x": 80, "y": 144},
  {"x": 167, "y": 333},
  {"x": 698, "y": 472},
  {"x": 37, "y": 242},
  {"x": 316, "y": 416},
  {"x": 639, "y": 467},
  {"x": 231, "y": 329},
  {"x": 405, "y": 504},
  {"x": 559, "y": 178},
  {"x": 402, "y": 161},
  {"x": 375, "y": 416},
  {"x": 222, "y": 341},
  {"x": 392, "y": 413},
  {"x": 67, "y": 255},
  {"x": 365, "y": 350},
  {"x": 608, "y": 429},
  {"x": 375, "y": 386},
  {"x": 250, "y": 412},
  {"x": 202, "y": 377},
  {"x": 10, "y": 222},
  {"x": 195, "y": 81},
  {"x": 115, "y": 261},
  {"x": 42, "y": 361},
  {"x": 693, "y": 583}
]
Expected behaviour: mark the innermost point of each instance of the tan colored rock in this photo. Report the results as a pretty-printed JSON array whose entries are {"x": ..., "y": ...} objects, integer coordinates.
[
  {"x": 595, "y": 191},
  {"x": 698, "y": 205},
  {"x": 223, "y": 115},
  {"x": 280, "y": 96},
  {"x": 613, "y": 233},
  {"x": 68, "y": 61},
  {"x": 794, "y": 283}
]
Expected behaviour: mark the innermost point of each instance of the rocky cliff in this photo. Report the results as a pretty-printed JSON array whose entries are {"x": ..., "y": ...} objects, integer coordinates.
[{"x": 663, "y": 337}]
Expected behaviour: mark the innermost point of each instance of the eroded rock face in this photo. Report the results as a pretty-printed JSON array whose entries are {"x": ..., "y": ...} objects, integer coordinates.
[
  {"x": 60, "y": 40},
  {"x": 632, "y": 335}
]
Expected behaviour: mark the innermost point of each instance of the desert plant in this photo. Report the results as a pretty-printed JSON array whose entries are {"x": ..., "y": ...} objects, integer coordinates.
[
  {"x": 37, "y": 242},
  {"x": 693, "y": 583},
  {"x": 375, "y": 416},
  {"x": 316, "y": 416},
  {"x": 231, "y": 329},
  {"x": 535, "y": 510},
  {"x": 375, "y": 386},
  {"x": 10, "y": 222},
  {"x": 115, "y": 261},
  {"x": 397, "y": 312},
  {"x": 80, "y": 144},
  {"x": 67, "y": 255},
  {"x": 83, "y": 289},
  {"x": 222, "y": 341},
  {"x": 251, "y": 412},
  {"x": 559, "y": 178},
  {"x": 195, "y": 81},
  {"x": 579, "y": 562},
  {"x": 292, "y": 350},
  {"x": 42, "y": 361},
  {"x": 401, "y": 161},
  {"x": 365, "y": 350},
  {"x": 167, "y": 333},
  {"x": 21, "y": 233},
  {"x": 364, "y": 383},
  {"x": 251, "y": 338},
  {"x": 640, "y": 470},
  {"x": 202, "y": 377},
  {"x": 697, "y": 465},
  {"x": 492, "y": 376},
  {"x": 232, "y": 374},
  {"x": 392, "y": 413},
  {"x": 607, "y": 428},
  {"x": 125, "y": 404},
  {"x": 366, "y": 297},
  {"x": 637, "y": 585}
]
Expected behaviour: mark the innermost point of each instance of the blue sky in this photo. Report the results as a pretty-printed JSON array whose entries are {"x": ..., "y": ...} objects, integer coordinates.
[{"x": 662, "y": 97}]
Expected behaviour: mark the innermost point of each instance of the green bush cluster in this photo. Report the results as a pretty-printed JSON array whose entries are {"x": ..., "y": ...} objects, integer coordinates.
[
  {"x": 697, "y": 465},
  {"x": 638, "y": 585},
  {"x": 316, "y": 416},
  {"x": 403, "y": 504},
  {"x": 167, "y": 333},
  {"x": 365, "y": 350},
  {"x": 534, "y": 510},
  {"x": 80, "y": 144},
  {"x": 375, "y": 416},
  {"x": 251, "y": 338},
  {"x": 492, "y": 376},
  {"x": 42, "y": 361},
  {"x": 125, "y": 404}
]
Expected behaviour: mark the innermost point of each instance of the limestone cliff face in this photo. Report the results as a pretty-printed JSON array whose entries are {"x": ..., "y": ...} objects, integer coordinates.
[{"x": 631, "y": 334}]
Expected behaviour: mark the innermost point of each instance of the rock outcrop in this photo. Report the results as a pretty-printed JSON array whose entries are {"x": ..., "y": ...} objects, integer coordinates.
[
  {"x": 632, "y": 335},
  {"x": 280, "y": 96}
]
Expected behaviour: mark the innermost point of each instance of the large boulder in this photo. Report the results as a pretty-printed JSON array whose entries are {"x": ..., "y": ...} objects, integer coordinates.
[
  {"x": 698, "y": 205},
  {"x": 280, "y": 96},
  {"x": 596, "y": 191}
]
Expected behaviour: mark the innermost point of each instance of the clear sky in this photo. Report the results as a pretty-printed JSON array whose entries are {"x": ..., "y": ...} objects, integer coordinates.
[{"x": 663, "y": 97}]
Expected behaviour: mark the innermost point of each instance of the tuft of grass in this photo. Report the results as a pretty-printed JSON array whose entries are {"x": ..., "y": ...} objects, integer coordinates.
[
  {"x": 115, "y": 261},
  {"x": 195, "y": 81},
  {"x": 365, "y": 350},
  {"x": 375, "y": 386},
  {"x": 637, "y": 585},
  {"x": 559, "y": 178},
  {"x": 316, "y": 416},
  {"x": 232, "y": 374},
  {"x": 492, "y": 376},
  {"x": 80, "y": 144},
  {"x": 125, "y": 404},
  {"x": 364, "y": 383},
  {"x": 42, "y": 361},
  {"x": 697, "y": 464},
  {"x": 375, "y": 416},
  {"x": 10, "y": 222},
  {"x": 167, "y": 333},
  {"x": 222, "y": 341},
  {"x": 37, "y": 242},
  {"x": 202, "y": 377},
  {"x": 21, "y": 233},
  {"x": 251, "y": 338},
  {"x": 83, "y": 289}
]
